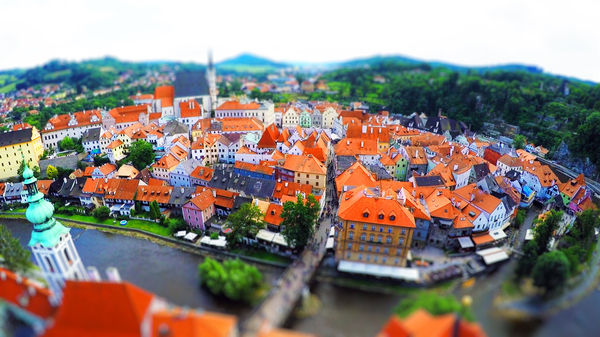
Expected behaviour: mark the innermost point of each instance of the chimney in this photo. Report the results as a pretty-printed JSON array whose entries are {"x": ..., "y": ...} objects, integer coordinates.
[
  {"x": 362, "y": 144},
  {"x": 364, "y": 129},
  {"x": 455, "y": 167},
  {"x": 472, "y": 197},
  {"x": 93, "y": 274},
  {"x": 347, "y": 142},
  {"x": 113, "y": 275},
  {"x": 182, "y": 190},
  {"x": 214, "y": 193}
]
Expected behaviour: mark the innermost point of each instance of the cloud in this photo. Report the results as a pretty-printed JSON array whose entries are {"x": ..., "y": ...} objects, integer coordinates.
[{"x": 559, "y": 38}]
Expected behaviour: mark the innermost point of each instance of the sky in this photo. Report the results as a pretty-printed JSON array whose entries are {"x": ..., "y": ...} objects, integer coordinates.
[{"x": 562, "y": 37}]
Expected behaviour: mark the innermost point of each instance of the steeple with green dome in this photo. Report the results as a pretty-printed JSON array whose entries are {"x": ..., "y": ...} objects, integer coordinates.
[{"x": 46, "y": 230}]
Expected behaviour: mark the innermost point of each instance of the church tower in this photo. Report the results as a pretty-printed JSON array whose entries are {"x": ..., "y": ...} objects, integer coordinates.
[
  {"x": 211, "y": 76},
  {"x": 51, "y": 243}
]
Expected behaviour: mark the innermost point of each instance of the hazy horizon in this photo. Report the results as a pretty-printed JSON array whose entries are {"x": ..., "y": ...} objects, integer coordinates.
[{"x": 560, "y": 39}]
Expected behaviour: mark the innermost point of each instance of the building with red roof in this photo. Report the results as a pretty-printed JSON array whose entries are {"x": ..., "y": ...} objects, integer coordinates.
[{"x": 69, "y": 125}]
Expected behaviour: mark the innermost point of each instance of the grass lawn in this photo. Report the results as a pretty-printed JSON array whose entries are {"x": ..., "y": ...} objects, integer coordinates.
[
  {"x": 510, "y": 288},
  {"x": 10, "y": 87},
  {"x": 261, "y": 254},
  {"x": 16, "y": 210},
  {"x": 148, "y": 226}
]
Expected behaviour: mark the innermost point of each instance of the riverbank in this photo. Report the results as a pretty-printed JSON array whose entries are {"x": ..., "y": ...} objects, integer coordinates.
[
  {"x": 533, "y": 306},
  {"x": 137, "y": 229}
]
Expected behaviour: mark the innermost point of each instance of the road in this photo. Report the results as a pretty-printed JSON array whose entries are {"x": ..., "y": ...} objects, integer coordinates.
[{"x": 281, "y": 300}]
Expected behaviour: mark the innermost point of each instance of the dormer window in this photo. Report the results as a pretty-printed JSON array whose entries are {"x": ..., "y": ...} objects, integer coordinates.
[
  {"x": 380, "y": 216},
  {"x": 392, "y": 217}
]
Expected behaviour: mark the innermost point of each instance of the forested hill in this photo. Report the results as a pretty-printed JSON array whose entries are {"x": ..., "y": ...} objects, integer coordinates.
[{"x": 548, "y": 109}]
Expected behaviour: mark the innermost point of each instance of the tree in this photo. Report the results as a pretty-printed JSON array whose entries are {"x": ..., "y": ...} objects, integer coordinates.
[
  {"x": 21, "y": 169},
  {"x": 66, "y": 144},
  {"x": 99, "y": 161},
  {"x": 51, "y": 172},
  {"x": 177, "y": 224},
  {"x": 101, "y": 213},
  {"x": 544, "y": 231},
  {"x": 586, "y": 222},
  {"x": 551, "y": 270},
  {"x": 527, "y": 261},
  {"x": 520, "y": 218},
  {"x": 81, "y": 165},
  {"x": 299, "y": 220},
  {"x": 435, "y": 304},
  {"x": 234, "y": 279},
  {"x": 519, "y": 142},
  {"x": 155, "y": 210},
  {"x": 245, "y": 222},
  {"x": 16, "y": 258},
  {"x": 214, "y": 236},
  {"x": 141, "y": 154}
]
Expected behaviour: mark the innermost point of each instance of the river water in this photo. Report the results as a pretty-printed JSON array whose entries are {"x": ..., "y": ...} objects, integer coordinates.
[
  {"x": 172, "y": 274},
  {"x": 168, "y": 272}
]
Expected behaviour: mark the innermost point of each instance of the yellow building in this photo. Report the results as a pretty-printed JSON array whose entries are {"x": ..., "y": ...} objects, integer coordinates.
[
  {"x": 14, "y": 145},
  {"x": 375, "y": 228}
]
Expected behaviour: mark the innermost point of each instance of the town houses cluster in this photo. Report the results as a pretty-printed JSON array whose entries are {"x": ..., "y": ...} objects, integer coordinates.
[{"x": 402, "y": 182}]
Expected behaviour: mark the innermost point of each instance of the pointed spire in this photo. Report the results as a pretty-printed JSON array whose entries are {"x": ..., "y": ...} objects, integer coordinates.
[{"x": 210, "y": 59}]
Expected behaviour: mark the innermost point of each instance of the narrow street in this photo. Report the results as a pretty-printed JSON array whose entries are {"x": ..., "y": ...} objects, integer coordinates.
[{"x": 281, "y": 300}]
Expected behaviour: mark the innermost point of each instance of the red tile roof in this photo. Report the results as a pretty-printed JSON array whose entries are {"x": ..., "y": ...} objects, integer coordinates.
[
  {"x": 190, "y": 108},
  {"x": 235, "y": 105},
  {"x": 25, "y": 295},
  {"x": 273, "y": 215},
  {"x": 354, "y": 204},
  {"x": 203, "y": 200},
  {"x": 101, "y": 309},
  {"x": 84, "y": 118},
  {"x": 304, "y": 164},
  {"x": 177, "y": 323}
]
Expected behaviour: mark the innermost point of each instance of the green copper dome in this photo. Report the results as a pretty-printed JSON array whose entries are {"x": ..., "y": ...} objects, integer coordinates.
[
  {"x": 27, "y": 173},
  {"x": 48, "y": 234},
  {"x": 39, "y": 212}
]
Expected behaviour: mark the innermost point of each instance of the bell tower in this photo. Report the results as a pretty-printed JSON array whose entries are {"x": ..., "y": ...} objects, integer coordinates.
[
  {"x": 51, "y": 242},
  {"x": 211, "y": 76}
]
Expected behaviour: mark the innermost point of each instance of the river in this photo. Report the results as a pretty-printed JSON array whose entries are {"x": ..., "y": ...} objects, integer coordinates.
[
  {"x": 168, "y": 272},
  {"x": 172, "y": 274}
]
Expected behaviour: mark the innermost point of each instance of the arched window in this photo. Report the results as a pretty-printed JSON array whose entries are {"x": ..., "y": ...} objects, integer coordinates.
[
  {"x": 371, "y": 237},
  {"x": 49, "y": 264}
]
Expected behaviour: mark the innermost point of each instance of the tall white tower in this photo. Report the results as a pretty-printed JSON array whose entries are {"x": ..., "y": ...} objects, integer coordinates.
[
  {"x": 211, "y": 76},
  {"x": 51, "y": 242}
]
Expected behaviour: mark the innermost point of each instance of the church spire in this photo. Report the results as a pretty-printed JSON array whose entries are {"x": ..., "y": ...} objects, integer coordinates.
[{"x": 51, "y": 242}]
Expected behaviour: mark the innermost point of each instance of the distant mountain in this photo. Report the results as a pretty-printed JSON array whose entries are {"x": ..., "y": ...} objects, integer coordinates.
[
  {"x": 399, "y": 58},
  {"x": 251, "y": 60}
]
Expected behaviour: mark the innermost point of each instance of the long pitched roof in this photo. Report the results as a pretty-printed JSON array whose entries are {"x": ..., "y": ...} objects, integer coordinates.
[
  {"x": 83, "y": 118},
  {"x": 304, "y": 164},
  {"x": 101, "y": 309},
  {"x": 25, "y": 294}
]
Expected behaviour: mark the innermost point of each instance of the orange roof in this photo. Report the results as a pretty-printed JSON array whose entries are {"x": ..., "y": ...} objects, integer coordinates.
[
  {"x": 150, "y": 193},
  {"x": 235, "y": 105},
  {"x": 444, "y": 173},
  {"x": 480, "y": 239},
  {"x": 304, "y": 164},
  {"x": 273, "y": 215},
  {"x": 128, "y": 171},
  {"x": 357, "y": 203},
  {"x": 25, "y": 294},
  {"x": 427, "y": 139},
  {"x": 42, "y": 185},
  {"x": 254, "y": 168},
  {"x": 268, "y": 138},
  {"x": 471, "y": 193},
  {"x": 203, "y": 200},
  {"x": 21, "y": 126},
  {"x": 101, "y": 309},
  {"x": 114, "y": 144},
  {"x": 107, "y": 168},
  {"x": 393, "y": 328},
  {"x": 440, "y": 206},
  {"x": 416, "y": 155},
  {"x": 356, "y": 146},
  {"x": 283, "y": 333},
  {"x": 423, "y": 324},
  {"x": 355, "y": 175},
  {"x": 290, "y": 188},
  {"x": 178, "y": 152},
  {"x": 316, "y": 152},
  {"x": 245, "y": 150},
  {"x": 77, "y": 173},
  {"x": 129, "y": 113},
  {"x": 167, "y": 161},
  {"x": 573, "y": 185},
  {"x": 379, "y": 134},
  {"x": 510, "y": 161},
  {"x": 190, "y": 108},
  {"x": 126, "y": 189},
  {"x": 156, "y": 182},
  {"x": 165, "y": 94},
  {"x": 139, "y": 96},
  {"x": 83, "y": 118},
  {"x": 202, "y": 173},
  {"x": 90, "y": 185},
  {"x": 179, "y": 323}
]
